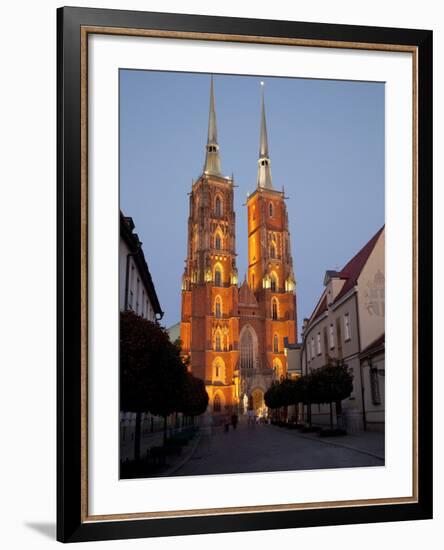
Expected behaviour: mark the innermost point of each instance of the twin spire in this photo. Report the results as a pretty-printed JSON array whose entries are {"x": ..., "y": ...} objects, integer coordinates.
[{"x": 212, "y": 159}]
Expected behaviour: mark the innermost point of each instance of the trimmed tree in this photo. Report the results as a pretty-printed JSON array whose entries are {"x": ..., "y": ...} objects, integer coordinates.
[
  {"x": 151, "y": 371},
  {"x": 332, "y": 383}
]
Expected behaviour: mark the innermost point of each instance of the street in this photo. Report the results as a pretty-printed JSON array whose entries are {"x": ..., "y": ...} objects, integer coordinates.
[{"x": 266, "y": 448}]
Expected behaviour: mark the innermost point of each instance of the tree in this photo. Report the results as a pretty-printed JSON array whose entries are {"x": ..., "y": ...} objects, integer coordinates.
[
  {"x": 151, "y": 371},
  {"x": 331, "y": 383},
  {"x": 194, "y": 396}
]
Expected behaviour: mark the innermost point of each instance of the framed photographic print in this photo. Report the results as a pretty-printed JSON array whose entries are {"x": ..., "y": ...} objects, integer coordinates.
[{"x": 245, "y": 268}]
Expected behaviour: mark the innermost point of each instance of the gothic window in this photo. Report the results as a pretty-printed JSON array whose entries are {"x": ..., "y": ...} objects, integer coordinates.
[
  {"x": 270, "y": 209},
  {"x": 218, "y": 244},
  {"x": 246, "y": 350},
  {"x": 274, "y": 309},
  {"x": 225, "y": 342},
  {"x": 318, "y": 343},
  {"x": 273, "y": 284},
  {"x": 217, "y": 344},
  {"x": 273, "y": 251},
  {"x": 218, "y": 308},
  {"x": 216, "y": 403},
  {"x": 218, "y": 207},
  {"x": 276, "y": 343},
  {"x": 217, "y": 277}
]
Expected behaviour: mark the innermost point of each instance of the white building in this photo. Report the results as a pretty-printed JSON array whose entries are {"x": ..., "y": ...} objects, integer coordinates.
[
  {"x": 348, "y": 325},
  {"x": 136, "y": 287}
]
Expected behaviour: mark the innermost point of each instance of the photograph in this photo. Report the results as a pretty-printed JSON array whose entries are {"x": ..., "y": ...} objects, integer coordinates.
[{"x": 251, "y": 273}]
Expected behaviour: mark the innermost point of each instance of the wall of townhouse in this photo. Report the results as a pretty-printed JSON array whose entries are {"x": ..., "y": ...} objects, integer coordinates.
[{"x": 138, "y": 297}]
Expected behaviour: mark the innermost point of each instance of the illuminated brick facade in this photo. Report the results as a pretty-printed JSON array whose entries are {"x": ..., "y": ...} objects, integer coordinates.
[{"x": 234, "y": 336}]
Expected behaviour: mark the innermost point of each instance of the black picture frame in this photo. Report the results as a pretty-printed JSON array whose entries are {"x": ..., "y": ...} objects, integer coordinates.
[{"x": 71, "y": 525}]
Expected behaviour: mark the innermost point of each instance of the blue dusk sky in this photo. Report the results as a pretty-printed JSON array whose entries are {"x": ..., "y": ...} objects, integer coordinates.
[{"x": 326, "y": 144}]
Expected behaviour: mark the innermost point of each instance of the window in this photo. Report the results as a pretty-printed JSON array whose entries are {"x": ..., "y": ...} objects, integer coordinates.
[
  {"x": 218, "y": 207},
  {"x": 252, "y": 280},
  {"x": 272, "y": 251},
  {"x": 246, "y": 350},
  {"x": 274, "y": 309},
  {"x": 144, "y": 312},
  {"x": 217, "y": 277},
  {"x": 137, "y": 294},
  {"x": 218, "y": 346},
  {"x": 216, "y": 370},
  {"x": 216, "y": 403},
  {"x": 218, "y": 308},
  {"x": 332, "y": 336},
  {"x": 270, "y": 209},
  {"x": 273, "y": 285},
  {"x": 312, "y": 347},
  {"x": 217, "y": 241},
  {"x": 318, "y": 343},
  {"x": 374, "y": 385},
  {"x": 276, "y": 343},
  {"x": 347, "y": 332}
]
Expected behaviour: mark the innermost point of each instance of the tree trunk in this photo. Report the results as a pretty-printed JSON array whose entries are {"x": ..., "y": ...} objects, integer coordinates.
[
  {"x": 339, "y": 422},
  {"x": 137, "y": 436},
  {"x": 309, "y": 414}
]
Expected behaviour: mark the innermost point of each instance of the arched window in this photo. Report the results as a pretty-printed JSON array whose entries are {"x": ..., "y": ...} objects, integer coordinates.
[
  {"x": 276, "y": 343},
  {"x": 217, "y": 277},
  {"x": 216, "y": 403},
  {"x": 273, "y": 284},
  {"x": 225, "y": 342},
  {"x": 217, "y": 342},
  {"x": 218, "y": 242},
  {"x": 246, "y": 350},
  {"x": 218, "y": 308},
  {"x": 273, "y": 251},
  {"x": 270, "y": 209},
  {"x": 274, "y": 309},
  {"x": 218, "y": 207}
]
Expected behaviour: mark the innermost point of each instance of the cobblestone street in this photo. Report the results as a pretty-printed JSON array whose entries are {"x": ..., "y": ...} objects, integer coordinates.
[{"x": 266, "y": 448}]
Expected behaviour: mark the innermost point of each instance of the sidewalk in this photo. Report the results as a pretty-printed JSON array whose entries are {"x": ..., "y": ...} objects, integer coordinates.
[{"x": 369, "y": 443}]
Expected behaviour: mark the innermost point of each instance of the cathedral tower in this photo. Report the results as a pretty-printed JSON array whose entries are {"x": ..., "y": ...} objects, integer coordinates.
[
  {"x": 209, "y": 319},
  {"x": 270, "y": 264}
]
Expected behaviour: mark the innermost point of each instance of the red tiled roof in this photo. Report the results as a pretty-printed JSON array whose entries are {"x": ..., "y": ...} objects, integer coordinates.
[{"x": 351, "y": 271}]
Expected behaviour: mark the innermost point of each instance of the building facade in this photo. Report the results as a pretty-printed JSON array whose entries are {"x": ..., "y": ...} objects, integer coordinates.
[
  {"x": 348, "y": 326},
  {"x": 136, "y": 288},
  {"x": 234, "y": 336}
]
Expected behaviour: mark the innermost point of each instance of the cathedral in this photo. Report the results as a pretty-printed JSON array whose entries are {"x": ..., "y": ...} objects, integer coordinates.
[{"x": 234, "y": 335}]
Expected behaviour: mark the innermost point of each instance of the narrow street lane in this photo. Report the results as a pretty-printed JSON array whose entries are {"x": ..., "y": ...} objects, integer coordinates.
[{"x": 266, "y": 448}]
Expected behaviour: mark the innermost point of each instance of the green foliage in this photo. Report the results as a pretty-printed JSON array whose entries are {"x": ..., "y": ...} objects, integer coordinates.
[
  {"x": 324, "y": 385},
  {"x": 194, "y": 396},
  {"x": 151, "y": 371}
]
